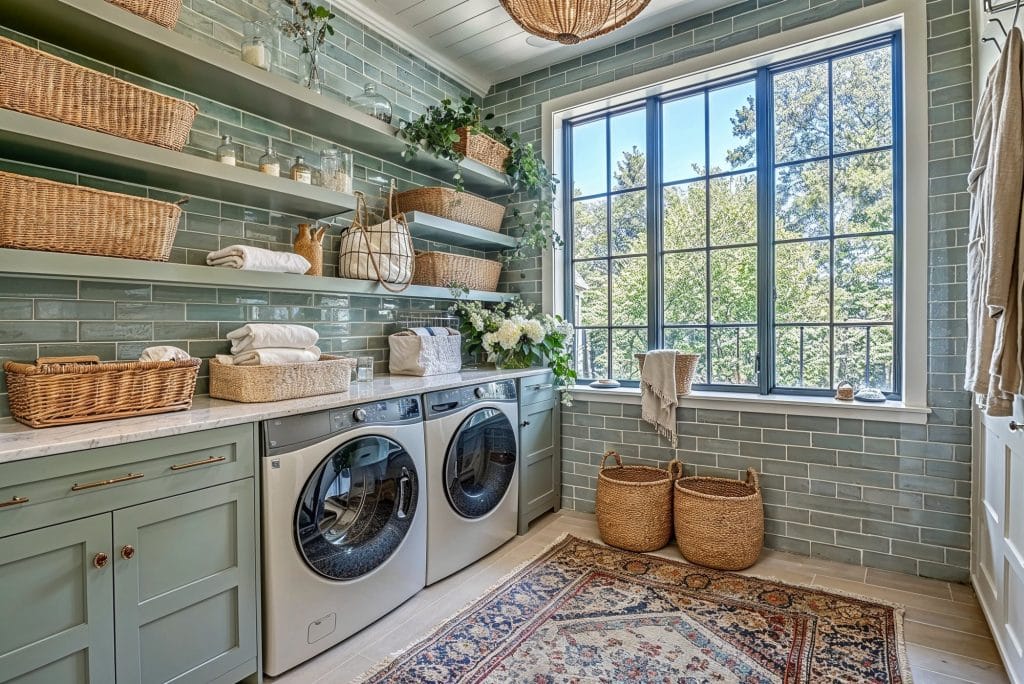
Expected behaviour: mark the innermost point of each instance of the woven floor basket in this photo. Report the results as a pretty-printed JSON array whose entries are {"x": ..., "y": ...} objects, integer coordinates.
[
  {"x": 44, "y": 215},
  {"x": 634, "y": 504},
  {"x": 44, "y": 85},
  {"x": 80, "y": 389},
  {"x": 482, "y": 148},
  {"x": 442, "y": 269},
  {"x": 163, "y": 12},
  {"x": 719, "y": 523},
  {"x": 686, "y": 365},
  {"x": 454, "y": 206},
  {"x": 252, "y": 384}
]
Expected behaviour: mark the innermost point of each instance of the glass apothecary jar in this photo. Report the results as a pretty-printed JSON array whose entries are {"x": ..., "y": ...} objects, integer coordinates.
[
  {"x": 373, "y": 103},
  {"x": 269, "y": 163},
  {"x": 301, "y": 171},
  {"x": 227, "y": 153},
  {"x": 336, "y": 170},
  {"x": 256, "y": 45}
]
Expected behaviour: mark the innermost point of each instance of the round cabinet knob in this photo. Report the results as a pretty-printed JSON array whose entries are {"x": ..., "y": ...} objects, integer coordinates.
[
  {"x": 359, "y": 415},
  {"x": 100, "y": 560},
  {"x": 479, "y": 392},
  {"x": 127, "y": 551},
  {"x": 1014, "y": 426}
]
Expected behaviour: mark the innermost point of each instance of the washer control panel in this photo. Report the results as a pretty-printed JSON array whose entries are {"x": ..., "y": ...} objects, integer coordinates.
[
  {"x": 446, "y": 401},
  {"x": 294, "y": 432}
]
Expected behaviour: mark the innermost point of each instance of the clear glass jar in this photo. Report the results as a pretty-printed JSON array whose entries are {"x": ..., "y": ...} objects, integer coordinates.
[
  {"x": 336, "y": 170},
  {"x": 255, "y": 45},
  {"x": 227, "y": 153},
  {"x": 301, "y": 171},
  {"x": 269, "y": 163},
  {"x": 373, "y": 103}
]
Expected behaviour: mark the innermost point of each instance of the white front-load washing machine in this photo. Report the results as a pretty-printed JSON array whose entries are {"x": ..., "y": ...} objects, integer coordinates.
[
  {"x": 472, "y": 474},
  {"x": 344, "y": 524}
]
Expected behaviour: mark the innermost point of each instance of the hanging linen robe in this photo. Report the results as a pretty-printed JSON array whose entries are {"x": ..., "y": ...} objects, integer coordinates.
[{"x": 996, "y": 184}]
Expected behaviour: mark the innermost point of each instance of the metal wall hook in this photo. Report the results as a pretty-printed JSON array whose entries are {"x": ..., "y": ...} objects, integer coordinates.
[
  {"x": 996, "y": 21},
  {"x": 993, "y": 41}
]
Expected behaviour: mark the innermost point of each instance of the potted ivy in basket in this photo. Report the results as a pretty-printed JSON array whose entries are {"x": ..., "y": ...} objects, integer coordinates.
[{"x": 441, "y": 131}]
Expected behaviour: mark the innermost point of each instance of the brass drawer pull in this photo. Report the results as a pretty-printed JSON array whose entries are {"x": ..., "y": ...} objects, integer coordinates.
[
  {"x": 14, "y": 501},
  {"x": 103, "y": 483},
  {"x": 193, "y": 464}
]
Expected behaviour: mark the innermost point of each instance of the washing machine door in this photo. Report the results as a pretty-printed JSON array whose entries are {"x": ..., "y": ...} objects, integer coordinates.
[
  {"x": 480, "y": 463},
  {"x": 357, "y": 507}
]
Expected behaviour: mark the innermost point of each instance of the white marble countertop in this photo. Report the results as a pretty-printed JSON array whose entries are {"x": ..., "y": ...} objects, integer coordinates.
[{"x": 18, "y": 442}]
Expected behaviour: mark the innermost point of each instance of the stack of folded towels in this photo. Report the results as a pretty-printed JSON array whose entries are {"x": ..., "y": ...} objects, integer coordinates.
[
  {"x": 271, "y": 344},
  {"x": 246, "y": 258}
]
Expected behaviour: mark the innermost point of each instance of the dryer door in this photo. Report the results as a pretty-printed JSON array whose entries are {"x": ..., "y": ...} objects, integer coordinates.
[
  {"x": 357, "y": 507},
  {"x": 480, "y": 463}
]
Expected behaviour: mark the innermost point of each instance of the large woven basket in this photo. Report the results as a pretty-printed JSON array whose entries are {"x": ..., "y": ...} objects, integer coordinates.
[
  {"x": 253, "y": 384},
  {"x": 443, "y": 269},
  {"x": 719, "y": 522},
  {"x": 634, "y": 504},
  {"x": 686, "y": 364},
  {"x": 80, "y": 389},
  {"x": 163, "y": 12},
  {"x": 452, "y": 205},
  {"x": 41, "y": 84},
  {"x": 45, "y": 215},
  {"x": 482, "y": 148}
]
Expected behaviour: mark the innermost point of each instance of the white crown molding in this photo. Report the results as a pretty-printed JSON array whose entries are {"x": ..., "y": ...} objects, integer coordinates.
[{"x": 475, "y": 80}]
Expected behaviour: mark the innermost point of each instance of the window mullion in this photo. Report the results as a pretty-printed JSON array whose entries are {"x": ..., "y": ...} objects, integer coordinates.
[
  {"x": 765, "y": 231},
  {"x": 655, "y": 291}
]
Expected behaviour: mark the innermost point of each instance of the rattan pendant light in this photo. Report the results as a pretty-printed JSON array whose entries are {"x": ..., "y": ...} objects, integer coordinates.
[{"x": 572, "y": 21}]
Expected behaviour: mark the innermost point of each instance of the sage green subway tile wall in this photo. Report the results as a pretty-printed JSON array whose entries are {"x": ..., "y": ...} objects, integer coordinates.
[{"x": 887, "y": 495}]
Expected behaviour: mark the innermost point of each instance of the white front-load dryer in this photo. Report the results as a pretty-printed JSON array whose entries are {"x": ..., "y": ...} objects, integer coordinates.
[
  {"x": 472, "y": 474},
  {"x": 344, "y": 524}
]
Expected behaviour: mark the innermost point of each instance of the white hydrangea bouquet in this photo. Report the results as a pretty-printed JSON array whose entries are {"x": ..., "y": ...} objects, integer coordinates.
[{"x": 512, "y": 335}]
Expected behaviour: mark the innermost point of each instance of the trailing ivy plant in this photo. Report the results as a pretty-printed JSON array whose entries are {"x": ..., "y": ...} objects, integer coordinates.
[{"x": 437, "y": 132}]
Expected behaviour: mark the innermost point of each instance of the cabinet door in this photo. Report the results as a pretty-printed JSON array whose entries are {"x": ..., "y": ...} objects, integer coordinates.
[
  {"x": 540, "y": 464},
  {"x": 57, "y": 625},
  {"x": 185, "y": 585}
]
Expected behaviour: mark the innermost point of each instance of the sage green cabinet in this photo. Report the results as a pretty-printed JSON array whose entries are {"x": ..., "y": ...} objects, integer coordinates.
[{"x": 540, "y": 460}]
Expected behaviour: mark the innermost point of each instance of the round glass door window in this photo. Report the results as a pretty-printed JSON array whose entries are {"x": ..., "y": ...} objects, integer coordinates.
[
  {"x": 357, "y": 507},
  {"x": 480, "y": 463}
]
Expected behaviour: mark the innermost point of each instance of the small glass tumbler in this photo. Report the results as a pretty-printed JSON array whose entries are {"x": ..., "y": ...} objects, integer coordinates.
[{"x": 364, "y": 369}]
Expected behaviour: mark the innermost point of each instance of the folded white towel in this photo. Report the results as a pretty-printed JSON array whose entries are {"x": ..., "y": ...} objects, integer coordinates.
[
  {"x": 276, "y": 357},
  {"x": 248, "y": 258},
  {"x": 658, "y": 400},
  {"x": 164, "y": 353},
  {"x": 429, "y": 332},
  {"x": 272, "y": 336}
]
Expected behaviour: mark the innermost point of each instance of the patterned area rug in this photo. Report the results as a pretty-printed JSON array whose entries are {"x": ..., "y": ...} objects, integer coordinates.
[{"x": 584, "y": 612}]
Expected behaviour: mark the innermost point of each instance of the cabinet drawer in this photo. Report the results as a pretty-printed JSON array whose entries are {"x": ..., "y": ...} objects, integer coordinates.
[
  {"x": 536, "y": 388},
  {"x": 74, "y": 485}
]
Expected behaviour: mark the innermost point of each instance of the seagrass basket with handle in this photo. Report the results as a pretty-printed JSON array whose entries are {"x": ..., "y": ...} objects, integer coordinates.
[
  {"x": 454, "y": 206},
  {"x": 686, "y": 365},
  {"x": 444, "y": 269},
  {"x": 719, "y": 522},
  {"x": 163, "y": 12},
  {"x": 634, "y": 504},
  {"x": 482, "y": 148}
]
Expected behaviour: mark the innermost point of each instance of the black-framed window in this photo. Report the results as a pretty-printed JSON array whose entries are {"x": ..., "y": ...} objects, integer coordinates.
[{"x": 755, "y": 221}]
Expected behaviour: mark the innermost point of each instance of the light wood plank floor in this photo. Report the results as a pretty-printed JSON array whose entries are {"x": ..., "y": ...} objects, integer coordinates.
[{"x": 948, "y": 640}]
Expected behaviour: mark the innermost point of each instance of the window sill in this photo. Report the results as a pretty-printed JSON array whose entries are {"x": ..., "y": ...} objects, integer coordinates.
[{"x": 890, "y": 411}]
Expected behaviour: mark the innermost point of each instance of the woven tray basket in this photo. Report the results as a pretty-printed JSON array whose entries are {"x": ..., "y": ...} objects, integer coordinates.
[
  {"x": 454, "y": 206},
  {"x": 163, "y": 12},
  {"x": 719, "y": 522},
  {"x": 482, "y": 148},
  {"x": 442, "y": 269},
  {"x": 79, "y": 389},
  {"x": 44, "y": 215},
  {"x": 686, "y": 364},
  {"x": 634, "y": 504},
  {"x": 253, "y": 384},
  {"x": 41, "y": 84}
]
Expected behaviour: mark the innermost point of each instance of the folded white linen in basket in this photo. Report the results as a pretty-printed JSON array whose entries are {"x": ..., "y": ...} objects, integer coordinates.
[
  {"x": 272, "y": 336},
  {"x": 270, "y": 357},
  {"x": 164, "y": 352},
  {"x": 248, "y": 258},
  {"x": 433, "y": 331}
]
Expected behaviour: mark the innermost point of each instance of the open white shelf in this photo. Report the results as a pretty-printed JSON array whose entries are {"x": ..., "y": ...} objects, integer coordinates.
[
  {"x": 112, "y": 35},
  {"x": 430, "y": 227}
]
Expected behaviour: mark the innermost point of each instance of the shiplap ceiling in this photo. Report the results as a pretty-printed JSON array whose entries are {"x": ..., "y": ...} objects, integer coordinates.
[{"x": 476, "y": 40}]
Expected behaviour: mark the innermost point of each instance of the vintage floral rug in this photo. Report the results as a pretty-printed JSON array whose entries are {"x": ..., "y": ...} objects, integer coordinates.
[{"x": 584, "y": 612}]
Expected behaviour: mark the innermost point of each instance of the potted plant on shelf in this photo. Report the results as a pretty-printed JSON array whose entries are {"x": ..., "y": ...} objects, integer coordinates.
[
  {"x": 512, "y": 335},
  {"x": 449, "y": 130}
]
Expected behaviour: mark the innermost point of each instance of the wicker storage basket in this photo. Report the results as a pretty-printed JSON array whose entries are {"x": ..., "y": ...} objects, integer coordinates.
[
  {"x": 56, "y": 217},
  {"x": 719, "y": 522},
  {"x": 686, "y": 364},
  {"x": 442, "y": 269},
  {"x": 163, "y": 12},
  {"x": 453, "y": 205},
  {"x": 79, "y": 389},
  {"x": 253, "y": 384},
  {"x": 41, "y": 84},
  {"x": 482, "y": 148},
  {"x": 634, "y": 504}
]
